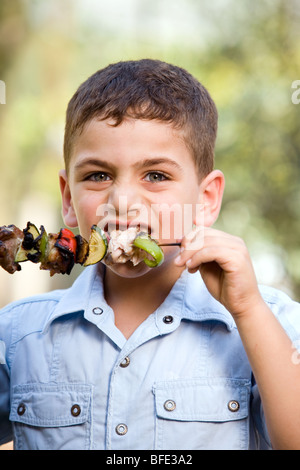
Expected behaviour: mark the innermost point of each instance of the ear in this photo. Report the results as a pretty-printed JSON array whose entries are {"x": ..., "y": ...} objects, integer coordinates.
[
  {"x": 68, "y": 212},
  {"x": 210, "y": 198}
]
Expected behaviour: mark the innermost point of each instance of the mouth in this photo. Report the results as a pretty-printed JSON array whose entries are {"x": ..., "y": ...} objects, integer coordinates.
[
  {"x": 110, "y": 226},
  {"x": 130, "y": 241}
]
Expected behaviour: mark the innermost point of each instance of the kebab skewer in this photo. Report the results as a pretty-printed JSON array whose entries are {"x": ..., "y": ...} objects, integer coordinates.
[{"x": 59, "y": 252}]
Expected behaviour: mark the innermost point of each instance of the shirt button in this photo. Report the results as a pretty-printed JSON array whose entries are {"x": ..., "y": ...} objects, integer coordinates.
[
  {"x": 75, "y": 410},
  {"x": 168, "y": 319},
  {"x": 97, "y": 311},
  {"x": 21, "y": 409},
  {"x": 121, "y": 429},
  {"x": 233, "y": 406},
  {"x": 125, "y": 362},
  {"x": 169, "y": 405}
]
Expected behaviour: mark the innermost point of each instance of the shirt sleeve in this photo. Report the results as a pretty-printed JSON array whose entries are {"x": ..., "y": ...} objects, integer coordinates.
[
  {"x": 5, "y": 424},
  {"x": 288, "y": 314},
  {"x": 6, "y": 433}
]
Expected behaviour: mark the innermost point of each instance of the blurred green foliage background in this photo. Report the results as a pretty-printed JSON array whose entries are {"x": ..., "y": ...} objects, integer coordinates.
[{"x": 246, "y": 52}]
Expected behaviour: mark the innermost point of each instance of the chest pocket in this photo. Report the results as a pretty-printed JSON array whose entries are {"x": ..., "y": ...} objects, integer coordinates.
[
  {"x": 202, "y": 413},
  {"x": 51, "y": 416}
]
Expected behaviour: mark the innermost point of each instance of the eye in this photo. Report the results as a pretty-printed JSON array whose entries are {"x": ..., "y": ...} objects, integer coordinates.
[
  {"x": 155, "y": 177},
  {"x": 98, "y": 177}
]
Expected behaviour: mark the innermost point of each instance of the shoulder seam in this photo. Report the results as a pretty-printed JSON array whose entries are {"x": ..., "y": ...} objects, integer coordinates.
[{"x": 20, "y": 303}]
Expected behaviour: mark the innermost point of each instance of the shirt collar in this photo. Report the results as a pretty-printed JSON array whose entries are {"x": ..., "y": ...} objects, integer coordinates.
[
  {"x": 199, "y": 305},
  {"x": 188, "y": 299},
  {"x": 76, "y": 298}
]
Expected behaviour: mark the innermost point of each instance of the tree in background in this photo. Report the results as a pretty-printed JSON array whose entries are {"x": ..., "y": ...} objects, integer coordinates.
[{"x": 246, "y": 53}]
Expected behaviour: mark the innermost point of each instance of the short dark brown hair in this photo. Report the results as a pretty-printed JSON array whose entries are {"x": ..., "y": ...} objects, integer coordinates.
[{"x": 147, "y": 89}]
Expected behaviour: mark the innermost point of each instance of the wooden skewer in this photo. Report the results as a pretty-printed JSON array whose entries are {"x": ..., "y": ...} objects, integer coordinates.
[{"x": 169, "y": 244}]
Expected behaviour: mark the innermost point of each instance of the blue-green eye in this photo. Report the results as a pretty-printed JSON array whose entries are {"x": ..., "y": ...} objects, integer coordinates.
[
  {"x": 99, "y": 177},
  {"x": 155, "y": 177}
]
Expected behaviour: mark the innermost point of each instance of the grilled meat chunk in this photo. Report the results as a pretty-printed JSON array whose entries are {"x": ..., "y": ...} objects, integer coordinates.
[
  {"x": 121, "y": 248},
  {"x": 11, "y": 238},
  {"x": 56, "y": 260}
]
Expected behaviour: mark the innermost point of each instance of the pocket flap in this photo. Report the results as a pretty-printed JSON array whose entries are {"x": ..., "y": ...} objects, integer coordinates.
[
  {"x": 50, "y": 405},
  {"x": 203, "y": 399}
]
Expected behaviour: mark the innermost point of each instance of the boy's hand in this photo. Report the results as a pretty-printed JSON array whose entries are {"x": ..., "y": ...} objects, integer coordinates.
[{"x": 225, "y": 266}]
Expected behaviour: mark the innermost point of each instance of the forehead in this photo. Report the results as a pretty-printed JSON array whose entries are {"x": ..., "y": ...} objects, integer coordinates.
[{"x": 133, "y": 139}]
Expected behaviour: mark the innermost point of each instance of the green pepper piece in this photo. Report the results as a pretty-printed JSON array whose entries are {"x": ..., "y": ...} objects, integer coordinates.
[{"x": 144, "y": 242}]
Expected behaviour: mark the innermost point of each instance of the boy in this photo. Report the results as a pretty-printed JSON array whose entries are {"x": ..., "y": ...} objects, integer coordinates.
[{"x": 187, "y": 355}]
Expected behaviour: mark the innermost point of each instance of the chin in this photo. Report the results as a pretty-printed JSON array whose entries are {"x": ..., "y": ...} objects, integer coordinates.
[{"x": 127, "y": 270}]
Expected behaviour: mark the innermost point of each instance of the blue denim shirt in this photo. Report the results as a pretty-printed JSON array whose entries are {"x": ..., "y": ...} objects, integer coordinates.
[{"x": 69, "y": 379}]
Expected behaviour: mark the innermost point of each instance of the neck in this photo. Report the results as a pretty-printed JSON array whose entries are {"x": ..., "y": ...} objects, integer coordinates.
[{"x": 134, "y": 299}]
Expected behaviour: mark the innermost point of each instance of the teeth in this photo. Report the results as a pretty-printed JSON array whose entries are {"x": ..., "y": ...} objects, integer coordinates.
[{"x": 109, "y": 227}]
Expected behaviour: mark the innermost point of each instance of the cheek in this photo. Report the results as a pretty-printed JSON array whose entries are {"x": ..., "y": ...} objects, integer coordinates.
[
  {"x": 87, "y": 207},
  {"x": 174, "y": 215}
]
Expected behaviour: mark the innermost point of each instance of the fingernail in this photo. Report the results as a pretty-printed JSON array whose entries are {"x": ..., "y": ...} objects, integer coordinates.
[{"x": 178, "y": 259}]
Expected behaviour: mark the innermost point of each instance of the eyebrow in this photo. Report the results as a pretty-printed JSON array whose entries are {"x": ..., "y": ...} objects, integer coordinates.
[
  {"x": 146, "y": 163},
  {"x": 92, "y": 162}
]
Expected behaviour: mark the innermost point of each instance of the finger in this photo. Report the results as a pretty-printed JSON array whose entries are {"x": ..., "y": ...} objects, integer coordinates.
[
  {"x": 212, "y": 238},
  {"x": 194, "y": 242},
  {"x": 215, "y": 253},
  {"x": 196, "y": 239},
  {"x": 229, "y": 258}
]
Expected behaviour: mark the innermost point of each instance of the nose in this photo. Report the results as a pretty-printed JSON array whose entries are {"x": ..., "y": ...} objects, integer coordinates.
[{"x": 125, "y": 199}]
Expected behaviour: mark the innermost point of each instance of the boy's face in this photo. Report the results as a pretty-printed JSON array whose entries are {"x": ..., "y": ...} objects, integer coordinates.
[{"x": 140, "y": 172}]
